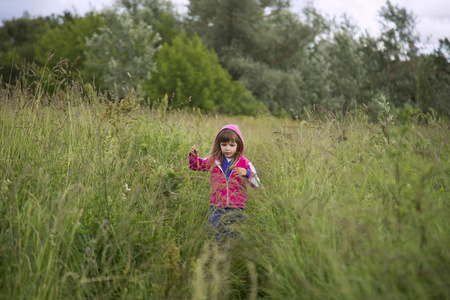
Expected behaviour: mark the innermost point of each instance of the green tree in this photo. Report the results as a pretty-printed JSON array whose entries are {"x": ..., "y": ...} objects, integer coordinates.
[
  {"x": 159, "y": 14},
  {"x": 192, "y": 74},
  {"x": 68, "y": 40},
  {"x": 398, "y": 47},
  {"x": 17, "y": 39},
  {"x": 435, "y": 89},
  {"x": 346, "y": 71},
  {"x": 121, "y": 53},
  {"x": 261, "y": 43},
  {"x": 398, "y": 32},
  {"x": 405, "y": 75},
  {"x": 331, "y": 72}
]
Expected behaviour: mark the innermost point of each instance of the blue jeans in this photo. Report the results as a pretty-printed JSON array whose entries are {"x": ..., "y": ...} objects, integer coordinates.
[{"x": 220, "y": 219}]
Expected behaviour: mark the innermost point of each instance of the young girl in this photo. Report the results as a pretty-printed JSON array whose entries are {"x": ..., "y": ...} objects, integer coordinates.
[{"x": 230, "y": 170}]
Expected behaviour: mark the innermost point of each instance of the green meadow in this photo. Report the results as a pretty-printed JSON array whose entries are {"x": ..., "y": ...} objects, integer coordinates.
[{"x": 97, "y": 202}]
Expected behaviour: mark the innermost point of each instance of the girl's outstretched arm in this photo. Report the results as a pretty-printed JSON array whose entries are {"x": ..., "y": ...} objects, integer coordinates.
[
  {"x": 193, "y": 151},
  {"x": 194, "y": 162}
]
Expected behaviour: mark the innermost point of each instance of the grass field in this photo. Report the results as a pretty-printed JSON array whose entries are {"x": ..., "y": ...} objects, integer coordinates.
[{"x": 97, "y": 202}]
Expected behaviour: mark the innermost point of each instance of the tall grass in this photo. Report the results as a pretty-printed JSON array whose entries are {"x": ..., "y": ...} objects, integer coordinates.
[{"x": 97, "y": 202}]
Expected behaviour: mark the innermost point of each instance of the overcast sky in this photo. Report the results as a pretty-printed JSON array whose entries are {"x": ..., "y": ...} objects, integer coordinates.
[{"x": 433, "y": 16}]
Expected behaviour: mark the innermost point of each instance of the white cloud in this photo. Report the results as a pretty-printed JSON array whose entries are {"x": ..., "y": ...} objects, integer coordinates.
[
  {"x": 433, "y": 9},
  {"x": 436, "y": 28}
]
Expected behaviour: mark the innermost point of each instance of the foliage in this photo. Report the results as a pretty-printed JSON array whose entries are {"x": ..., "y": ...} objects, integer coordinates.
[
  {"x": 159, "y": 14},
  {"x": 100, "y": 211},
  {"x": 399, "y": 54},
  {"x": 287, "y": 61},
  {"x": 68, "y": 40},
  {"x": 397, "y": 69},
  {"x": 191, "y": 73},
  {"x": 335, "y": 75},
  {"x": 260, "y": 43},
  {"x": 119, "y": 113},
  {"x": 439, "y": 93},
  {"x": 385, "y": 117},
  {"x": 121, "y": 54},
  {"x": 398, "y": 37},
  {"x": 41, "y": 85},
  {"x": 17, "y": 37}
]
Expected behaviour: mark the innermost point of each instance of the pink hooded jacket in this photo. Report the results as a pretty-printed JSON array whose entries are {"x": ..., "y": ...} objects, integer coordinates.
[{"x": 231, "y": 193}]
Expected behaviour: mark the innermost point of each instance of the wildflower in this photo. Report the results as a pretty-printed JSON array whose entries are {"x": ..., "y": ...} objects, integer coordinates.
[
  {"x": 172, "y": 261},
  {"x": 162, "y": 133},
  {"x": 126, "y": 187},
  {"x": 64, "y": 175},
  {"x": 5, "y": 186}
]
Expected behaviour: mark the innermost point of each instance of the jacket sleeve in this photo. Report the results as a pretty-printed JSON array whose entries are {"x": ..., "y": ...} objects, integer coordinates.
[
  {"x": 196, "y": 163},
  {"x": 253, "y": 179}
]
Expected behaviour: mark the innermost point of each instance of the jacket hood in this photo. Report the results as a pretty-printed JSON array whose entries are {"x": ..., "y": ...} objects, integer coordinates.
[{"x": 235, "y": 128}]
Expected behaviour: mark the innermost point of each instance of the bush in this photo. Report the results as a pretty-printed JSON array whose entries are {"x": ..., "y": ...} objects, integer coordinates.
[{"x": 191, "y": 75}]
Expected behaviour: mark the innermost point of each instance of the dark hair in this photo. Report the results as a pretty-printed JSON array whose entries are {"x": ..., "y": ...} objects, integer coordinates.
[{"x": 225, "y": 136}]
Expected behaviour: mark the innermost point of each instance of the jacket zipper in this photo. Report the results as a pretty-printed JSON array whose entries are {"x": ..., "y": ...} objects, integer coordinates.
[{"x": 228, "y": 190}]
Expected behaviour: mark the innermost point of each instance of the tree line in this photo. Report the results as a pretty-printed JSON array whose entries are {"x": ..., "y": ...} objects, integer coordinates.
[{"x": 236, "y": 56}]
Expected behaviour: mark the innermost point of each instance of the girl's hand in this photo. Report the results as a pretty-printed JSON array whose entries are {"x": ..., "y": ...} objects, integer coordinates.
[
  {"x": 241, "y": 171},
  {"x": 193, "y": 151}
]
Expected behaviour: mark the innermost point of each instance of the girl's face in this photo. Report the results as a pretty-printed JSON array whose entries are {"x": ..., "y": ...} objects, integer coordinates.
[{"x": 228, "y": 148}]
